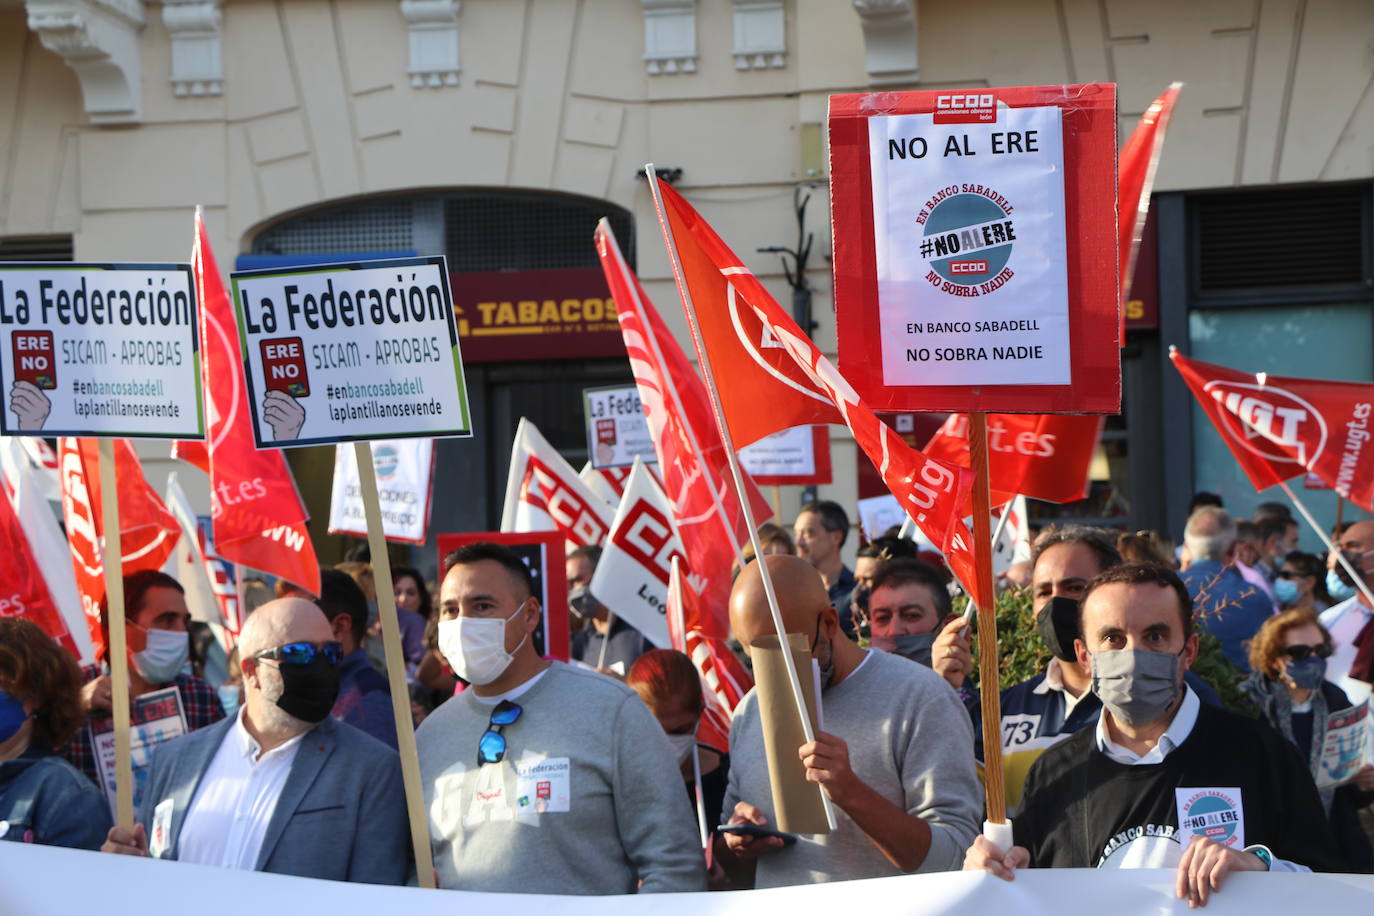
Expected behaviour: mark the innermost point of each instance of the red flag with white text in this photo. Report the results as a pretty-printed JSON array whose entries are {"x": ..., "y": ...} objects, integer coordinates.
[
  {"x": 1136, "y": 165},
  {"x": 1279, "y": 428},
  {"x": 257, "y": 517},
  {"x": 931, "y": 491},
  {"x": 148, "y": 532},
  {"x": 724, "y": 679},
  {"x": 83, "y": 537},
  {"x": 544, "y": 493},
  {"x": 23, "y": 593}
]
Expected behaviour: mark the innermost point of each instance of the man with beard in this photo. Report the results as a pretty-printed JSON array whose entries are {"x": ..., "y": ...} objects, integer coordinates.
[
  {"x": 896, "y": 756},
  {"x": 282, "y": 787}
]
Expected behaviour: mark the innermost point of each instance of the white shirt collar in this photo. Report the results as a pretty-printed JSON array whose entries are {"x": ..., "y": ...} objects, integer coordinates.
[
  {"x": 1177, "y": 732},
  {"x": 1054, "y": 680},
  {"x": 513, "y": 693},
  {"x": 248, "y": 745}
]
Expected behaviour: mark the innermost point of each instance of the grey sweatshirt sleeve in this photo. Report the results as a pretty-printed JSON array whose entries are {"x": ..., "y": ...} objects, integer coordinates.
[
  {"x": 938, "y": 776},
  {"x": 656, "y": 824}
]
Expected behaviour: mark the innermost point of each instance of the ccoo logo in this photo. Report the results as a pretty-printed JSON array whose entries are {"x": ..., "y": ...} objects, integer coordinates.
[{"x": 1269, "y": 422}]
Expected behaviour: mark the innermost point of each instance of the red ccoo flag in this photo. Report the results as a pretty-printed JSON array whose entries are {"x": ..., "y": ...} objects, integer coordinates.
[
  {"x": 257, "y": 517},
  {"x": 1136, "y": 166},
  {"x": 1279, "y": 428},
  {"x": 796, "y": 384}
]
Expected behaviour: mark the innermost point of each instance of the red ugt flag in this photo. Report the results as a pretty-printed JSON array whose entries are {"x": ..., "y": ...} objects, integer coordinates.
[
  {"x": 740, "y": 322},
  {"x": 1041, "y": 456},
  {"x": 257, "y": 517},
  {"x": 1279, "y": 428},
  {"x": 1135, "y": 177}
]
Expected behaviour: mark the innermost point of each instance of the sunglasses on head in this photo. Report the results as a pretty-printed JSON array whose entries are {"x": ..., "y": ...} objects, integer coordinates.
[
  {"x": 1302, "y": 653},
  {"x": 303, "y": 653},
  {"x": 491, "y": 747}
]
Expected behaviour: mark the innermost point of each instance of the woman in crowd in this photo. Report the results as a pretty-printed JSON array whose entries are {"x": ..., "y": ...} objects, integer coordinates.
[
  {"x": 413, "y": 609},
  {"x": 43, "y": 798},
  {"x": 1288, "y": 660},
  {"x": 668, "y": 683},
  {"x": 1301, "y": 583}
]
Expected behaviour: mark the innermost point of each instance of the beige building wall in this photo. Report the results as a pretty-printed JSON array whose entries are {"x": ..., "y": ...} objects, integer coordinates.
[{"x": 317, "y": 107}]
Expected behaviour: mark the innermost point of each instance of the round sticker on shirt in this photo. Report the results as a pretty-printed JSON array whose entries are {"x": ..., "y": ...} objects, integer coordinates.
[{"x": 1215, "y": 814}]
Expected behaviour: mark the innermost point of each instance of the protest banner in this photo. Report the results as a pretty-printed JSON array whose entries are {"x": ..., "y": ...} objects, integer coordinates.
[
  {"x": 631, "y": 578},
  {"x": 617, "y": 432},
  {"x": 544, "y": 493},
  {"x": 799, "y": 456},
  {"x": 155, "y": 718},
  {"x": 879, "y": 513},
  {"x": 405, "y": 476},
  {"x": 100, "y": 350},
  {"x": 544, "y": 553},
  {"x": 971, "y": 233},
  {"x": 38, "y": 880},
  {"x": 1137, "y": 164},
  {"x": 1345, "y": 749},
  {"x": 350, "y": 352}
]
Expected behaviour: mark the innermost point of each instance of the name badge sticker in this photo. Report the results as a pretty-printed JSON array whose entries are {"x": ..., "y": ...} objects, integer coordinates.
[
  {"x": 544, "y": 786},
  {"x": 1214, "y": 814},
  {"x": 158, "y": 841}
]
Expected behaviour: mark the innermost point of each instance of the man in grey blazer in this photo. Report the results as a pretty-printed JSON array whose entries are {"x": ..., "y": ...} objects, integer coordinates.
[{"x": 282, "y": 787}]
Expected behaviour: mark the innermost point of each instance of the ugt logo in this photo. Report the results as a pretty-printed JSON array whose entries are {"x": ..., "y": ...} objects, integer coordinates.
[{"x": 1272, "y": 423}]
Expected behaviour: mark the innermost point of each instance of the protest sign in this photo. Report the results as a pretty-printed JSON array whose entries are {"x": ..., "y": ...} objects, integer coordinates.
[
  {"x": 405, "y": 481},
  {"x": 156, "y": 718},
  {"x": 975, "y": 248},
  {"x": 879, "y": 513},
  {"x": 544, "y": 553},
  {"x": 100, "y": 350},
  {"x": 1346, "y": 746},
  {"x": 350, "y": 352},
  {"x": 798, "y": 456},
  {"x": 617, "y": 432}
]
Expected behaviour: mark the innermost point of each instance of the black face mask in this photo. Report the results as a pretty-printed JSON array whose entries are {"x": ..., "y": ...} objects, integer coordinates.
[
  {"x": 1057, "y": 624},
  {"x": 309, "y": 690}
]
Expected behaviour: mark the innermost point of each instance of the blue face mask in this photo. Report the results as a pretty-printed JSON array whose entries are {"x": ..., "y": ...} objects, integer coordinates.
[
  {"x": 230, "y": 697},
  {"x": 1338, "y": 588},
  {"x": 1286, "y": 590},
  {"x": 12, "y": 715}
]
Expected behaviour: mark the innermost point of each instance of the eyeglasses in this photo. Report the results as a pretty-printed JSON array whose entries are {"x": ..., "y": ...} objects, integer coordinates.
[
  {"x": 491, "y": 747},
  {"x": 1302, "y": 653},
  {"x": 303, "y": 653}
]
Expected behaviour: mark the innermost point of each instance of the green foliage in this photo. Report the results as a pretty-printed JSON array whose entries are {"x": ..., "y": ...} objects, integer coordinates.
[{"x": 1023, "y": 652}]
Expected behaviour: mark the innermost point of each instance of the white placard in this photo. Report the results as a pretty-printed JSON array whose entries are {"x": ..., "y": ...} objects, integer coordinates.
[
  {"x": 969, "y": 229},
  {"x": 1345, "y": 749},
  {"x": 791, "y": 452},
  {"x": 154, "y": 718},
  {"x": 100, "y": 350},
  {"x": 349, "y": 352},
  {"x": 617, "y": 432},
  {"x": 405, "y": 483},
  {"x": 879, "y": 513}
]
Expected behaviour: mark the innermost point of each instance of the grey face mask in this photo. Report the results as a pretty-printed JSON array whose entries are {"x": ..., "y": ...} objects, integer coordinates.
[
  {"x": 915, "y": 646},
  {"x": 1136, "y": 685}
]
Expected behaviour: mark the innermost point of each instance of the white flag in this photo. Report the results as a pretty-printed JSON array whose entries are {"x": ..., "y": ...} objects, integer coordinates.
[
  {"x": 1013, "y": 546},
  {"x": 211, "y": 595},
  {"x": 30, "y": 479},
  {"x": 405, "y": 486},
  {"x": 631, "y": 578},
  {"x": 544, "y": 493},
  {"x": 608, "y": 488}
]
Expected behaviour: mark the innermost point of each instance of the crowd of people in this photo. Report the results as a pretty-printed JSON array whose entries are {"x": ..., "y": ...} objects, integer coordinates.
[{"x": 594, "y": 770}]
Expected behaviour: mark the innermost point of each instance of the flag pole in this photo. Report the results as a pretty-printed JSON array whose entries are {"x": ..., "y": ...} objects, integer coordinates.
[
  {"x": 989, "y": 669},
  {"x": 606, "y": 640},
  {"x": 1357, "y": 578},
  {"x": 652, "y": 337},
  {"x": 118, "y": 648},
  {"x": 395, "y": 665},
  {"x": 678, "y": 630},
  {"x": 701, "y": 803},
  {"x": 996, "y": 536},
  {"x": 735, "y": 472}
]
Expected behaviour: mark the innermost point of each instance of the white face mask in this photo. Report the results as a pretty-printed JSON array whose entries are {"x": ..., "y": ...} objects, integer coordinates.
[
  {"x": 682, "y": 746},
  {"x": 163, "y": 656},
  {"x": 476, "y": 646}
]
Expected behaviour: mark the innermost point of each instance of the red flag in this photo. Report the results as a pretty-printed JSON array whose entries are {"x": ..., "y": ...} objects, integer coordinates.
[
  {"x": 148, "y": 532},
  {"x": 79, "y": 520},
  {"x": 257, "y": 516},
  {"x": 1041, "y": 456},
  {"x": 23, "y": 593},
  {"x": 1279, "y": 428},
  {"x": 1136, "y": 166},
  {"x": 929, "y": 490},
  {"x": 693, "y": 465},
  {"x": 724, "y": 679}
]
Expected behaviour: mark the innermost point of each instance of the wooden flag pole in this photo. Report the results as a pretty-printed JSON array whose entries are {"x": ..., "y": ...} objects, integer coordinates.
[
  {"x": 395, "y": 665},
  {"x": 118, "y": 647},
  {"x": 989, "y": 669},
  {"x": 777, "y": 502}
]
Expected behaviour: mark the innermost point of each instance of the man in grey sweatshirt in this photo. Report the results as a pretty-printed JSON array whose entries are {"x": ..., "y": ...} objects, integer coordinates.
[
  {"x": 895, "y": 756},
  {"x": 541, "y": 778}
]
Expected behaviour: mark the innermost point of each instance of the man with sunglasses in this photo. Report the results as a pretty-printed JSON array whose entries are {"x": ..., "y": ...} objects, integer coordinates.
[
  {"x": 895, "y": 755},
  {"x": 282, "y": 787},
  {"x": 542, "y": 778}
]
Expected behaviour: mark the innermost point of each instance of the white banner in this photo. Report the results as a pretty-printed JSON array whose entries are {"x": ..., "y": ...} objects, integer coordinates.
[
  {"x": 791, "y": 452},
  {"x": 405, "y": 486},
  {"x": 968, "y": 222},
  {"x": 100, "y": 350},
  {"x": 39, "y": 881},
  {"x": 544, "y": 493},
  {"x": 617, "y": 431},
  {"x": 631, "y": 579},
  {"x": 349, "y": 352}
]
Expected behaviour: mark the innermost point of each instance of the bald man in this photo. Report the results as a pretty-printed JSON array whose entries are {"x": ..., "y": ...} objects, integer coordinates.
[
  {"x": 896, "y": 757},
  {"x": 1351, "y": 668},
  {"x": 282, "y": 787}
]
